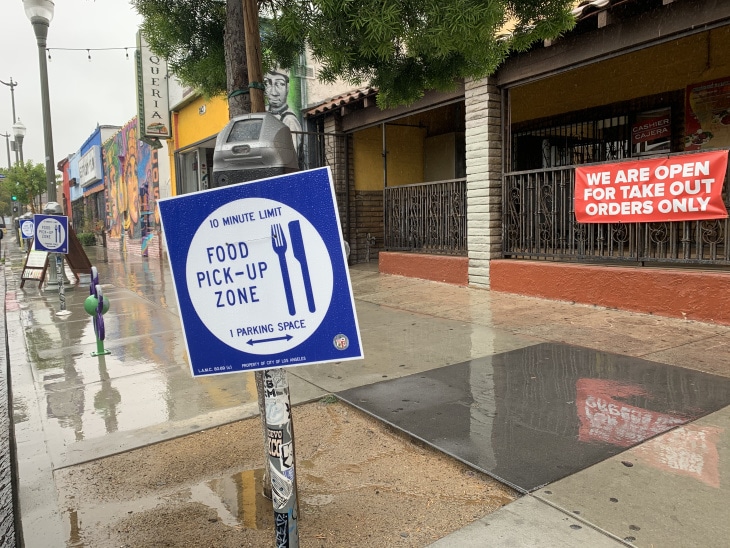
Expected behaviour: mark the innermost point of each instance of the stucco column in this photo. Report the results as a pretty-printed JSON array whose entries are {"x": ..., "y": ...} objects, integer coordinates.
[{"x": 483, "y": 178}]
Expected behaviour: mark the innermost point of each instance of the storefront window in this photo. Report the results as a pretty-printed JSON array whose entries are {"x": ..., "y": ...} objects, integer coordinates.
[{"x": 651, "y": 125}]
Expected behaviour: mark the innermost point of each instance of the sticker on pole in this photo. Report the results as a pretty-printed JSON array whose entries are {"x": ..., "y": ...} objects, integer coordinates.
[
  {"x": 260, "y": 274},
  {"x": 51, "y": 233}
]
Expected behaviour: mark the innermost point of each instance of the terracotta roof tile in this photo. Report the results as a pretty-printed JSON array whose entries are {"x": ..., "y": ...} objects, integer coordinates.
[{"x": 349, "y": 98}]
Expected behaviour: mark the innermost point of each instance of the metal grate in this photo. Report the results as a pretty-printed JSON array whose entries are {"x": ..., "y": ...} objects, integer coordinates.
[
  {"x": 427, "y": 217},
  {"x": 583, "y": 142},
  {"x": 320, "y": 149}
]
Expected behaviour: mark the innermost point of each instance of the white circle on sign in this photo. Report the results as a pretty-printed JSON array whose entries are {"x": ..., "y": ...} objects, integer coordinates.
[
  {"x": 27, "y": 228},
  {"x": 259, "y": 276},
  {"x": 50, "y": 233}
]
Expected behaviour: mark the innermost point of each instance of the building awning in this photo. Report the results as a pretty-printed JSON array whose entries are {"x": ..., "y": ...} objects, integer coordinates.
[
  {"x": 349, "y": 99},
  {"x": 93, "y": 189},
  {"x": 587, "y": 7}
]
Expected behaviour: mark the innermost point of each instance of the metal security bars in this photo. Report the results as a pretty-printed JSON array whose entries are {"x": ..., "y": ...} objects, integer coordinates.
[
  {"x": 426, "y": 217},
  {"x": 320, "y": 149},
  {"x": 581, "y": 142},
  {"x": 539, "y": 223}
]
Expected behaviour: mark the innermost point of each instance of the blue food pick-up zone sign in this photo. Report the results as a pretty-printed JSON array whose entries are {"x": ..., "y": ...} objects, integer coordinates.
[
  {"x": 51, "y": 233},
  {"x": 260, "y": 274},
  {"x": 27, "y": 229}
]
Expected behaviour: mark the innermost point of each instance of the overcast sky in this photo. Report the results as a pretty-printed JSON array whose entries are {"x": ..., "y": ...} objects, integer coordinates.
[{"x": 83, "y": 92}]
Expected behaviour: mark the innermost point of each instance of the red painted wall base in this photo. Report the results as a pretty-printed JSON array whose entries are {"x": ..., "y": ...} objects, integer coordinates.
[
  {"x": 691, "y": 294},
  {"x": 438, "y": 268}
]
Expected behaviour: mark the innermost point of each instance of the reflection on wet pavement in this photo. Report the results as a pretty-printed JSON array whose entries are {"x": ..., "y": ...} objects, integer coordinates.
[
  {"x": 670, "y": 491},
  {"x": 537, "y": 414},
  {"x": 144, "y": 382}
]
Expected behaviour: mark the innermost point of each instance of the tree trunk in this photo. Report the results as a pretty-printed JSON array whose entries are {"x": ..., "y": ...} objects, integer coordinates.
[{"x": 234, "y": 43}]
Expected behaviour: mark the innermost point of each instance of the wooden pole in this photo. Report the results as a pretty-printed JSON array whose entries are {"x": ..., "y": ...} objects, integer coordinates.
[{"x": 253, "y": 55}]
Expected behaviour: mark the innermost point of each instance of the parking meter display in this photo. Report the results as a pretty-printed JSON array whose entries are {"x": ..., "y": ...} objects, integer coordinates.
[{"x": 259, "y": 276}]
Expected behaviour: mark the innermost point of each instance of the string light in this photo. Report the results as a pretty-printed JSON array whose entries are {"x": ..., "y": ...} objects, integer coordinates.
[{"x": 89, "y": 50}]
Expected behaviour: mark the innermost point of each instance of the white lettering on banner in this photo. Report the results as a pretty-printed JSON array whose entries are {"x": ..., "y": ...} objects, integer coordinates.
[{"x": 686, "y": 187}]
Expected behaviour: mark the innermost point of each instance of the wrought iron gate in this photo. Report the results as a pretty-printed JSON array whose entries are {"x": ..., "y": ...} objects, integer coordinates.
[{"x": 426, "y": 217}]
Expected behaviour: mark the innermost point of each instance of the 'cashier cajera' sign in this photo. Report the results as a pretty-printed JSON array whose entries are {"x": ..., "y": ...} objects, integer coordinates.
[{"x": 679, "y": 188}]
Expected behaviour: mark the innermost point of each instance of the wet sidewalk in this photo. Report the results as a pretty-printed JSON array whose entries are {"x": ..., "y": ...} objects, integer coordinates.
[{"x": 614, "y": 425}]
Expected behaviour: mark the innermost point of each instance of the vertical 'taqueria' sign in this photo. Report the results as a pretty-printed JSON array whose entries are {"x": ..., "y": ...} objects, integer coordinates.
[{"x": 153, "y": 109}]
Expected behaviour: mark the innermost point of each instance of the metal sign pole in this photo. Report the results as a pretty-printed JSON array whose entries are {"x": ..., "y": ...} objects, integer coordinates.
[
  {"x": 281, "y": 458},
  {"x": 61, "y": 287}
]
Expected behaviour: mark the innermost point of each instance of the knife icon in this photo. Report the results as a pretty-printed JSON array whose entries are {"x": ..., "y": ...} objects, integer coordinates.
[{"x": 297, "y": 245}]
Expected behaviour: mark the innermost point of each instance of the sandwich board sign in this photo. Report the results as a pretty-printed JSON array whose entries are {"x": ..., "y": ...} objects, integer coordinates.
[{"x": 260, "y": 274}]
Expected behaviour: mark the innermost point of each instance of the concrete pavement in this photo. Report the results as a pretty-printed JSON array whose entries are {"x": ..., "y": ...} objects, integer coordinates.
[{"x": 71, "y": 408}]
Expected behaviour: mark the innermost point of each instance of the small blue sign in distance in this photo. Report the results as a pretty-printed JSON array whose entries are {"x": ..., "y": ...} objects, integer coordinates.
[
  {"x": 261, "y": 275},
  {"x": 27, "y": 229}
]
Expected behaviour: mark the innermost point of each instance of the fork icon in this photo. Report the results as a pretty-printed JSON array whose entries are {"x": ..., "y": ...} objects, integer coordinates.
[{"x": 278, "y": 243}]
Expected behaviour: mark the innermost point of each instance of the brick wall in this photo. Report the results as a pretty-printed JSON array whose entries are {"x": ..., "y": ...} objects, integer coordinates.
[
  {"x": 365, "y": 207},
  {"x": 483, "y": 177},
  {"x": 336, "y": 157},
  {"x": 367, "y": 219},
  {"x": 134, "y": 246}
]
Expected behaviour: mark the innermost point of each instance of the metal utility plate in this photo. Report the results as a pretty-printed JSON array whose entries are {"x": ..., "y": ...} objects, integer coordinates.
[{"x": 531, "y": 416}]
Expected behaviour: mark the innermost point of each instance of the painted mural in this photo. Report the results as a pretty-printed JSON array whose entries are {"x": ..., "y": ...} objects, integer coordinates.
[
  {"x": 284, "y": 100},
  {"x": 132, "y": 175}
]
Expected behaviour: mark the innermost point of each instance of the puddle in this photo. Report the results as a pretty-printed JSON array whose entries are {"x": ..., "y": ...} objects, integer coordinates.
[
  {"x": 532, "y": 416},
  {"x": 236, "y": 499}
]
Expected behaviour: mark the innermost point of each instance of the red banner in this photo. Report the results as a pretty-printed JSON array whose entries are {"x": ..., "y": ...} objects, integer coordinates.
[{"x": 686, "y": 187}]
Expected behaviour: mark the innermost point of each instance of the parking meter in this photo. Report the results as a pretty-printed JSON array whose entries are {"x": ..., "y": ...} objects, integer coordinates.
[
  {"x": 253, "y": 146},
  {"x": 53, "y": 208}
]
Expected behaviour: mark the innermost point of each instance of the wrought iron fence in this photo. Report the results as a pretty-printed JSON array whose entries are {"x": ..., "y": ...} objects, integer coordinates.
[
  {"x": 426, "y": 217},
  {"x": 539, "y": 222},
  {"x": 319, "y": 149}
]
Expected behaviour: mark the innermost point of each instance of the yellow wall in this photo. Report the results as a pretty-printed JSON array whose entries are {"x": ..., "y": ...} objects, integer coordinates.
[
  {"x": 440, "y": 157},
  {"x": 193, "y": 126},
  {"x": 189, "y": 126},
  {"x": 367, "y": 159},
  {"x": 405, "y": 156},
  {"x": 667, "y": 67}
]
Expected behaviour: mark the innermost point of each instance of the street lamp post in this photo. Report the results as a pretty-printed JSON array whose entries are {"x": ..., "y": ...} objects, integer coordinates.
[
  {"x": 7, "y": 144},
  {"x": 12, "y": 85},
  {"x": 19, "y": 134},
  {"x": 40, "y": 13}
]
